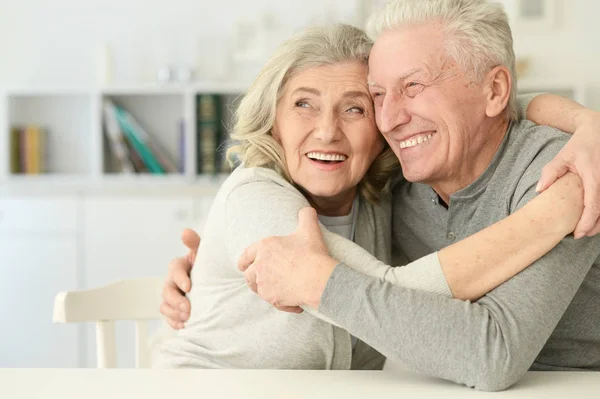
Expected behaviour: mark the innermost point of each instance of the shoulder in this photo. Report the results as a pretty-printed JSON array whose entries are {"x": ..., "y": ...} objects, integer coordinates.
[
  {"x": 241, "y": 176},
  {"x": 529, "y": 141},
  {"x": 257, "y": 203},
  {"x": 259, "y": 188},
  {"x": 530, "y": 147},
  {"x": 256, "y": 181}
]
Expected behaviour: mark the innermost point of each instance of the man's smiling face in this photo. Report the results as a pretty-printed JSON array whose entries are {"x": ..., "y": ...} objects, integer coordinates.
[{"x": 426, "y": 108}]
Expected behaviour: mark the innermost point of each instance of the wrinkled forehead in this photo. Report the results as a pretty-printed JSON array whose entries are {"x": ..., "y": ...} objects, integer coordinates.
[
  {"x": 339, "y": 77},
  {"x": 400, "y": 53}
]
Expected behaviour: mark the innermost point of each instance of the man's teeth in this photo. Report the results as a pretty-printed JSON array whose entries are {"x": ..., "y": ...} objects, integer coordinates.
[
  {"x": 414, "y": 142},
  {"x": 326, "y": 157}
]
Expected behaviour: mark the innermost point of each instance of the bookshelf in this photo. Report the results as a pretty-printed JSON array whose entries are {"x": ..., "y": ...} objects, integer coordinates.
[
  {"x": 78, "y": 153},
  {"x": 49, "y": 110},
  {"x": 83, "y": 223}
]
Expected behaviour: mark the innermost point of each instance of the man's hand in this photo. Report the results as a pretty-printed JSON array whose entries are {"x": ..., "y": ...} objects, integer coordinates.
[
  {"x": 175, "y": 306},
  {"x": 290, "y": 271},
  {"x": 581, "y": 155}
]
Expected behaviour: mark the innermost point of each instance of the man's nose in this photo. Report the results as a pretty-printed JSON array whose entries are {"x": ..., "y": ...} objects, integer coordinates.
[
  {"x": 328, "y": 128},
  {"x": 393, "y": 113}
]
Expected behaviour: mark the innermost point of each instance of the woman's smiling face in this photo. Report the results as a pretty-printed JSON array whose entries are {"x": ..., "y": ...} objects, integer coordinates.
[{"x": 326, "y": 126}]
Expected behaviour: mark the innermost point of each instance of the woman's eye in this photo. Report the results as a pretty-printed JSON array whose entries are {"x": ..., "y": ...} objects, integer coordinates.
[
  {"x": 302, "y": 104},
  {"x": 358, "y": 110}
]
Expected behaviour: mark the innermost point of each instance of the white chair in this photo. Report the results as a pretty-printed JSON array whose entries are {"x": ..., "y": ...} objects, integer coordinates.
[{"x": 135, "y": 299}]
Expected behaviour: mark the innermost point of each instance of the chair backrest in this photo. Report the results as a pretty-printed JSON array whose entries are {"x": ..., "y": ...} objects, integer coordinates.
[{"x": 135, "y": 299}]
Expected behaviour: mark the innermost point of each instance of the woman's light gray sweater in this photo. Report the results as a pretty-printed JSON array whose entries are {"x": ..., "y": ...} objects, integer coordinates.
[{"x": 231, "y": 327}]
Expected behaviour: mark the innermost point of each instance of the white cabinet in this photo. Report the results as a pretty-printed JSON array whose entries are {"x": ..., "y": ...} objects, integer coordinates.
[
  {"x": 131, "y": 237},
  {"x": 53, "y": 243},
  {"x": 38, "y": 258},
  {"x": 40, "y": 214}
]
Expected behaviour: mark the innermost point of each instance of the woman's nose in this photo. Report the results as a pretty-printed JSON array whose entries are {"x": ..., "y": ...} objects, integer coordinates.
[{"x": 328, "y": 129}]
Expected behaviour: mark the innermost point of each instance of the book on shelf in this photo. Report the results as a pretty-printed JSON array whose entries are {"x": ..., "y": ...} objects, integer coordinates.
[
  {"x": 116, "y": 139},
  {"x": 208, "y": 119},
  {"x": 138, "y": 163},
  {"x": 28, "y": 150},
  {"x": 222, "y": 164},
  {"x": 135, "y": 150},
  {"x": 211, "y": 135}
]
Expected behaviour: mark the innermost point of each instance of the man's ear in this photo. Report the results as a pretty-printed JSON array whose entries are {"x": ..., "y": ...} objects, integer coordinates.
[{"x": 499, "y": 84}]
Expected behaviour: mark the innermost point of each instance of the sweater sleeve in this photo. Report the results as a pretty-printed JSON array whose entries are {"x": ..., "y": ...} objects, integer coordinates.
[
  {"x": 523, "y": 101},
  {"x": 489, "y": 344},
  {"x": 249, "y": 220}
]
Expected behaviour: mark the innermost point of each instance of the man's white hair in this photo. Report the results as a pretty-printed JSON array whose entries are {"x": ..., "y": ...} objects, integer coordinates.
[{"x": 477, "y": 34}]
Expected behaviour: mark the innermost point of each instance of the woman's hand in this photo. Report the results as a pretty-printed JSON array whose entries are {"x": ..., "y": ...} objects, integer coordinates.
[
  {"x": 175, "y": 306},
  {"x": 581, "y": 155}
]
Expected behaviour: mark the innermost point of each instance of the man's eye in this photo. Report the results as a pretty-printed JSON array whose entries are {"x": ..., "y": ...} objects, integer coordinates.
[{"x": 414, "y": 88}]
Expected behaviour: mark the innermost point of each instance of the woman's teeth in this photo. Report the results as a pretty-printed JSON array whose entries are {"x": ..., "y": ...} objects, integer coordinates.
[
  {"x": 318, "y": 156},
  {"x": 417, "y": 141}
]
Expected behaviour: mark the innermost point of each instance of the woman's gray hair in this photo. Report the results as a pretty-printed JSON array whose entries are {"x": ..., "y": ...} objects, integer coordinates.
[
  {"x": 255, "y": 116},
  {"x": 478, "y": 36}
]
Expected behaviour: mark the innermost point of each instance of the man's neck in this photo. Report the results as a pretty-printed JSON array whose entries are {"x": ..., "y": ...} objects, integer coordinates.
[{"x": 480, "y": 155}]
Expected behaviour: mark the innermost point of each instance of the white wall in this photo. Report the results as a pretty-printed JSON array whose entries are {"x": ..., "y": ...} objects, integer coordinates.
[
  {"x": 57, "y": 42},
  {"x": 570, "y": 50}
]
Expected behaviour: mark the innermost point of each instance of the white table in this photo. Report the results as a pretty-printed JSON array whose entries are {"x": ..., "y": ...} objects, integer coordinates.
[{"x": 273, "y": 384}]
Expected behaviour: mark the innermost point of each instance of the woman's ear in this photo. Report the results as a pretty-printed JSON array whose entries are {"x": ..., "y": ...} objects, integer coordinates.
[{"x": 499, "y": 84}]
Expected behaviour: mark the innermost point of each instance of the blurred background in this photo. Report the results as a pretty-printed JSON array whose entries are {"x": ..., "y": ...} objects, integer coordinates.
[{"x": 114, "y": 116}]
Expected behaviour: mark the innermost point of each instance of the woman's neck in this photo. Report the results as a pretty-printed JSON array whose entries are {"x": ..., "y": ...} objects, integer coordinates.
[{"x": 339, "y": 205}]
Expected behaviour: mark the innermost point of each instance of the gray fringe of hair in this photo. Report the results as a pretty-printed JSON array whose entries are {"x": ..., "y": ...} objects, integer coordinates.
[{"x": 478, "y": 36}]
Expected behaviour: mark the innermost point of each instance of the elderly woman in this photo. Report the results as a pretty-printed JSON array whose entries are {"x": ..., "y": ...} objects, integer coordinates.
[{"x": 306, "y": 136}]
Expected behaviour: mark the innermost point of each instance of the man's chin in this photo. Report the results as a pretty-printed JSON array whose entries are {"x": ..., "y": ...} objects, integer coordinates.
[{"x": 415, "y": 175}]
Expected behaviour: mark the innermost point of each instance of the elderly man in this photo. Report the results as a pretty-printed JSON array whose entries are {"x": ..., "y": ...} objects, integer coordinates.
[
  {"x": 442, "y": 78},
  {"x": 441, "y": 74}
]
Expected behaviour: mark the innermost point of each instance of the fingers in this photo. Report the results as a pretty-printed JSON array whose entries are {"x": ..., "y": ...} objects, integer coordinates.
[
  {"x": 179, "y": 274},
  {"x": 174, "y": 298},
  {"x": 175, "y": 306},
  {"x": 588, "y": 224},
  {"x": 173, "y": 317},
  {"x": 250, "y": 277},
  {"x": 595, "y": 230},
  {"x": 550, "y": 173},
  {"x": 308, "y": 223},
  {"x": 290, "y": 309},
  {"x": 191, "y": 240},
  {"x": 248, "y": 257},
  {"x": 591, "y": 212}
]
